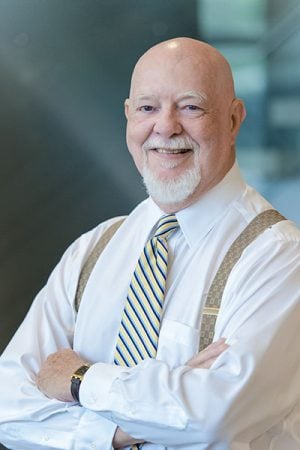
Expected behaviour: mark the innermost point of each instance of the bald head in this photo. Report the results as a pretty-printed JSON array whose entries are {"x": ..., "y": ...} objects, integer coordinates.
[{"x": 187, "y": 52}]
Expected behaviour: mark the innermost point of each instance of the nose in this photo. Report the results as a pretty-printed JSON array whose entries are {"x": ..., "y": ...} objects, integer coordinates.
[{"x": 167, "y": 124}]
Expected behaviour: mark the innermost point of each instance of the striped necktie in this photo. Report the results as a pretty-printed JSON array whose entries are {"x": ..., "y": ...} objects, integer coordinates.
[{"x": 139, "y": 330}]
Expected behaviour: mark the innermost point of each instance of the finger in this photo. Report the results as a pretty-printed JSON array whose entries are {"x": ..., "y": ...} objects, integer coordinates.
[
  {"x": 204, "y": 365},
  {"x": 202, "y": 359},
  {"x": 212, "y": 351}
]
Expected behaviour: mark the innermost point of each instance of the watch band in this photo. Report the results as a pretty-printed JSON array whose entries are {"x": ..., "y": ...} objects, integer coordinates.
[{"x": 76, "y": 380}]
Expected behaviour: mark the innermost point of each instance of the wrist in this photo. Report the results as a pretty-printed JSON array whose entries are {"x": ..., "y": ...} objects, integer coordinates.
[{"x": 76, "y": 380}]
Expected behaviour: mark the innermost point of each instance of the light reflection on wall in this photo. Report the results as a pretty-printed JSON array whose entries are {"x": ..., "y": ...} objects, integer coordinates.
[{"x": 261, "y": 39}]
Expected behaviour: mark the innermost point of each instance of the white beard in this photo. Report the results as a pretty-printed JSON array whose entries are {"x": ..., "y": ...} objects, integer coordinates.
[{"x": 176, "y": 190}]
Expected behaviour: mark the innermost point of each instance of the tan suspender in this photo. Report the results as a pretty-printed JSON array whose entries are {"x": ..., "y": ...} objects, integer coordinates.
[
  {"x": 92, "y": 259},
  {"x": 259, "y": 224}
]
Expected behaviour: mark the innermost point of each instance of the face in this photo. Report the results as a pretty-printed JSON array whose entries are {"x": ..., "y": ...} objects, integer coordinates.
[{"x": 181, "y": 125}]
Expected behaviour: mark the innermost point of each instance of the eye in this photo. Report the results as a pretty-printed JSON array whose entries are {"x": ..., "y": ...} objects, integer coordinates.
[
  {"x": 192, "y": 110},
  {"x": 192, "y": 107},
  {"x": 146, "y": 108}
]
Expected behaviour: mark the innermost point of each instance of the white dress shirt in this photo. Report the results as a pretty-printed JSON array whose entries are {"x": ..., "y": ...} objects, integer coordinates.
[{"x": 248, "y": 399}]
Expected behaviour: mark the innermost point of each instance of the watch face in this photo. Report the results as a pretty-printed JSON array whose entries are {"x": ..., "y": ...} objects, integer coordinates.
[{"x": 81, "y": 371}]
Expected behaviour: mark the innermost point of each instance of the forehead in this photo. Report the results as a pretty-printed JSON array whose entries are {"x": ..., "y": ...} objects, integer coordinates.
[{"x": 173, "y": 75}]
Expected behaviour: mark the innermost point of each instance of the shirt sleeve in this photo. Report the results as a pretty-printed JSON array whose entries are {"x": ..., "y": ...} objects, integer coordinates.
[
  {"x": 249, "y": 388},
  {"x": 29, "y": 420}
]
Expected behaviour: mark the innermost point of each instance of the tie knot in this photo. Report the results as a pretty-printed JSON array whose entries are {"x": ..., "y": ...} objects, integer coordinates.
[{"x": 166, "y": 226}]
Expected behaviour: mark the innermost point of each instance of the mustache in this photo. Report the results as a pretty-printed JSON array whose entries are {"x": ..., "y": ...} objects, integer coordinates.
[{"x": 175, "y": 143}]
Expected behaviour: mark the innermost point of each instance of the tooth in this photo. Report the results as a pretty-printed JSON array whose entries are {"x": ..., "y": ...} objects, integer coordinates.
[{"x": 171, "y": 151}]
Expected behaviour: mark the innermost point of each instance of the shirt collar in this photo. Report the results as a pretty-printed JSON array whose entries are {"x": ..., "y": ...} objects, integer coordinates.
[{"x": 199, "y": 218}]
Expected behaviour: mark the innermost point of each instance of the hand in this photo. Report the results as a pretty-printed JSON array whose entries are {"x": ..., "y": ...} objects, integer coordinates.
[
  {"x": 205, "y": 358},
  {"x": 54, "y": 377},
  {"x": 122, "y": 439}
]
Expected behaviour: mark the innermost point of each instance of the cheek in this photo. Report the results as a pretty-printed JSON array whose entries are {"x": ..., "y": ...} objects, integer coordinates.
[
  {"x": 137, "y": 132},
  {"x": 202, "y": 130},
  {"x": 134, "y": 144},
  {"x": 211, "y": 135}
]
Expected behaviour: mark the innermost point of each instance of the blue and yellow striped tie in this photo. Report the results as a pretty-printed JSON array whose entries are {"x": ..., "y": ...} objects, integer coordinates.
[{"x": 139, "y": 330}]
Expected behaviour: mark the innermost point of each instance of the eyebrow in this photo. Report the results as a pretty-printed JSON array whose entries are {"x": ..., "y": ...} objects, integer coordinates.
[
  {"x": 193, "y": 94},
  {"x": 184, "y": 96},
  {"x": 144, "y": 97}
]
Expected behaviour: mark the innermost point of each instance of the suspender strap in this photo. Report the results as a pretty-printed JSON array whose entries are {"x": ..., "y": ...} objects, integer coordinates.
[
  {"x": 92, "y": 259},
  {"x": 257, "y": 226}
]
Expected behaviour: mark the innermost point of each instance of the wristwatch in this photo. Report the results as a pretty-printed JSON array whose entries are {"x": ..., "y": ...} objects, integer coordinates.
[{"x": 76, "y": 380}]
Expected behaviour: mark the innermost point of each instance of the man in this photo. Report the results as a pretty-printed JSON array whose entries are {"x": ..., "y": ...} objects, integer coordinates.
[{"x": 182, "y": 121}]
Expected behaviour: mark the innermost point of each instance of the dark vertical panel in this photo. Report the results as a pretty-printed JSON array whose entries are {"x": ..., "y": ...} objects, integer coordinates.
[{"x": 64, "y": 74}]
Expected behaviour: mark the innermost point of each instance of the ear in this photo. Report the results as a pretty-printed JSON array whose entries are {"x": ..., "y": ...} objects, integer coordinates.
[
  {"x": 238, "y": 115},
  {"x": 126, "y": 107}
]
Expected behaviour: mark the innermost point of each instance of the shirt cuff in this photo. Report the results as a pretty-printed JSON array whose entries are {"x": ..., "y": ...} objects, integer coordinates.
[{"x": 96, "y": 385}]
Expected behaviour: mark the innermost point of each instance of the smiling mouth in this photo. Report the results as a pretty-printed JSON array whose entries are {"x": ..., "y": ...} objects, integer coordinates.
[{"x": 171, "y": 151}]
